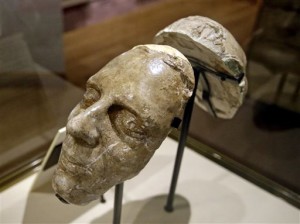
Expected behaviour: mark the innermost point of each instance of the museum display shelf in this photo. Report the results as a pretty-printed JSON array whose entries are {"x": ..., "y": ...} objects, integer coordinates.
[{"x": 207, "y": 193}]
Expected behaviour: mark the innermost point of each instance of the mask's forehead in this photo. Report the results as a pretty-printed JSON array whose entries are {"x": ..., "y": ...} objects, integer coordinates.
[{"x": 144, "y": 82}]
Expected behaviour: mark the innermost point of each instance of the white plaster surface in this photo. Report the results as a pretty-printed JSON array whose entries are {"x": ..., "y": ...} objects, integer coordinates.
[{"x": 206, "y": 193}]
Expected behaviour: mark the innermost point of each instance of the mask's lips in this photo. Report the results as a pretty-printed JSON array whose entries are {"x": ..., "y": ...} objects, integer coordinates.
[
  {"x": 74, "y": 168},
  {"x": 71, "y": 164},
  {"x": 61, "y": 199}
]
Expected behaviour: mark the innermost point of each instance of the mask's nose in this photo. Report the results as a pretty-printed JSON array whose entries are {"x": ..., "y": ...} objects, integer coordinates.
[{"x": 83, "y": 128}]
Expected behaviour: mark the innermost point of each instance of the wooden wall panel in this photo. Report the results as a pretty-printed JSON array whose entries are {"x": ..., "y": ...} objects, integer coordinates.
[{"x": 89, "y": 49}]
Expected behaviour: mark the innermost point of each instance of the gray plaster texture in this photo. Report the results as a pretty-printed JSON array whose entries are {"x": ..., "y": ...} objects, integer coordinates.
[
  {"x": 207, "y": 43},
  {"x": 124, "y": 116}
]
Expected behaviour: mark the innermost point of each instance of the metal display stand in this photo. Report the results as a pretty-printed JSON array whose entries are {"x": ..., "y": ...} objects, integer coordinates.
[
  {"x": 184, "y": 132},
  {"x": 199, "y": 70},
  {"x": 118, "y": 203},
  {"x": 182, "y": 140}
]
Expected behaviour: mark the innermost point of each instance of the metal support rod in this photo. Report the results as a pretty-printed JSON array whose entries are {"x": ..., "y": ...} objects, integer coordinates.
[
  {"x": 118, "y": 203},
  {"x": 182, "y": 140},
  {"x": 102, "y": 199}
]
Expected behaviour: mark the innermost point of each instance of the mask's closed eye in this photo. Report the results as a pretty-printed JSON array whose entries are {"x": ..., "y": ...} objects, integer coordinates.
[
  {"x": 126, "y": 124},
  {"x": 90, "y": 97}
]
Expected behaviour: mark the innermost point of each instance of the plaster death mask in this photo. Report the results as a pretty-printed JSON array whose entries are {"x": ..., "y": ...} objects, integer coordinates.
[
  {"x": 125, "y": 115},
  {"x": 205, "y": 42}
]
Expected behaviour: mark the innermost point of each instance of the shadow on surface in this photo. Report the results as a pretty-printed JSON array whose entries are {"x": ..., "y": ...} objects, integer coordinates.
[
  {"x": 151, "y": 210},
  {"x": 42, "y": 206}
]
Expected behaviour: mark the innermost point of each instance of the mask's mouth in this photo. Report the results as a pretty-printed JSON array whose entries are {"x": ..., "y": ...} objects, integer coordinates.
[{"x": 61, "y": 199}]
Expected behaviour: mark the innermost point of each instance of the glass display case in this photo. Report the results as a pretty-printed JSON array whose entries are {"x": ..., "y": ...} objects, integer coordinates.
[
  {"x": 262, "y": 142},
  {"x": 35, "y": 100},
  {"x": 42, "y": 70}
]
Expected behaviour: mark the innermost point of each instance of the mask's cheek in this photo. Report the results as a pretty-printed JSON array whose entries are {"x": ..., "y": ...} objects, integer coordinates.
[{"x": 123, "y": 162}]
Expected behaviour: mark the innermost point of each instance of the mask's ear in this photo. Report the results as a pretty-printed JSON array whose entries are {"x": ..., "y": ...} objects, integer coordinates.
[{"x": 175, "y": 122}]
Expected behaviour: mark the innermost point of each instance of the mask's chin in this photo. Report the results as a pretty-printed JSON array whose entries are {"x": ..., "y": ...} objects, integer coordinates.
[{"x": 69, "y": 192}]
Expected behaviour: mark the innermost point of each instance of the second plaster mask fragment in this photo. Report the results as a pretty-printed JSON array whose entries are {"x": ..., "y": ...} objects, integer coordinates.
[
  {"x": 125, "y": 115},
  {"x": 204, "y": 41}
]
